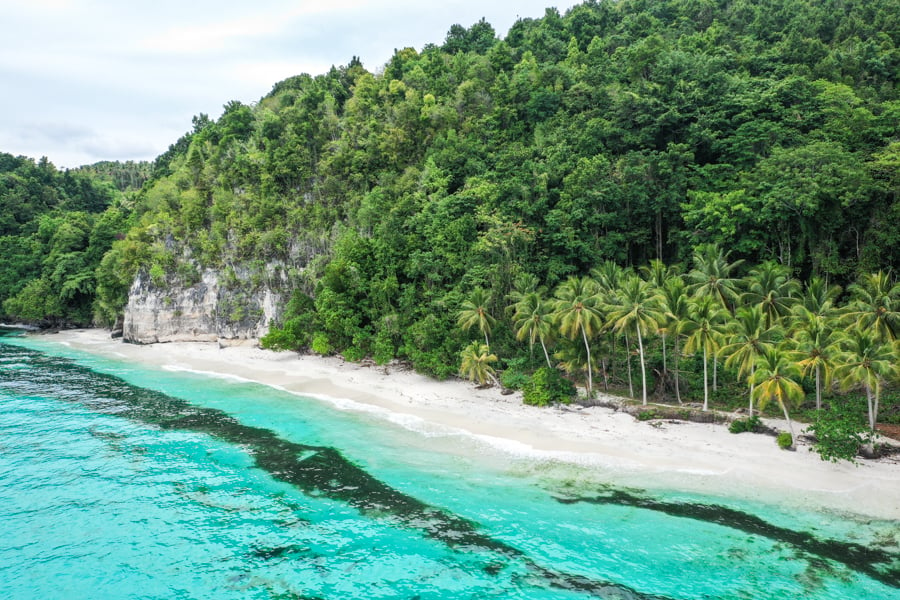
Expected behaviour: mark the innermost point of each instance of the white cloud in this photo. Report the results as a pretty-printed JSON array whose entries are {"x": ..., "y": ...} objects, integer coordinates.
[
  {"x": 83, "y": 80},
  {"x": 208, "y": 38}
]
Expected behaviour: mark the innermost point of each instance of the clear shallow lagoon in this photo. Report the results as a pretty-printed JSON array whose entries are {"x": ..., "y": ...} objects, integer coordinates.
[{"x": 122, "y": 482}]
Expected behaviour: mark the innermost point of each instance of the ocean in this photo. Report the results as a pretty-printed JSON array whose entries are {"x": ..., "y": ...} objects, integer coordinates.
[{"x": 123, "y": 482}]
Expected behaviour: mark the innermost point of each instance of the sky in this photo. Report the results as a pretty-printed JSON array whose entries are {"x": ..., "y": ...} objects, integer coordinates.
[{"x": 88, "y": 80}]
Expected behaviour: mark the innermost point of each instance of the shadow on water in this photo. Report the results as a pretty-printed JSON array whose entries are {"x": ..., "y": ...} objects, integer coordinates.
[
  {"x": 874, "y": 562},
  {"x": 318, "y": 471}
]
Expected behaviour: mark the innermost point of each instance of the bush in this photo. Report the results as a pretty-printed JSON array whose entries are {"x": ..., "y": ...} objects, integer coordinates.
[
  {"x": 514, "y": 379},
  {"x": 320, "y": 344},
  {"x": 841, "y": 431},
  {"x": 547, "y": 385},
  {"x": 648, "y": 415},
  {"x": 750, "y": 424},
  {"x": 785, "y": 440}
]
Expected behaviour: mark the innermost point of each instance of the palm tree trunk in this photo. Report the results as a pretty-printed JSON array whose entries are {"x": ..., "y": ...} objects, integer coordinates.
[
  {"x": 665, "y": 369},
  {"x": 715, "y": 373},
  {"x": 788, "y": 419},
  {"x": 590, "y": 390},
  {"x": 547, "y": 356},
  {"x": 628, "y": 362},
  {"x": 818, "y": 388},
  {"x": 871, "y": 409},
  {"x": 665, "y": 376},
  {"x": 603, "y": 365},
  {"x": 752, "y": 371},
  {"x": 677, "y": 367},
  {"x": 705, "y": 381},
  {"x": 643, "y": 369},
  {"x": 871, "y": 445}
]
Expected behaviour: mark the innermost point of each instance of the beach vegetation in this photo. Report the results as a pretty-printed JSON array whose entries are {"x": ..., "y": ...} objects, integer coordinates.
[
  {"x": 843, "y": 432},
  {"x": 777, "y": 378},
  {"x": 476, "y": 363},
  {"x": 547, "y": 386},
  {"x": 751, "y": 424},
  {"x": 785, "y": 440}
]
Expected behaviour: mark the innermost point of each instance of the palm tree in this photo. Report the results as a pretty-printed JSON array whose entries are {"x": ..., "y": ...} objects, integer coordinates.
[
  {"x": 657, "y": 273},
  {"x": 577, "y": 314},
  {"x": 475, "y": 364},
  {"x": 776, "y": 379},
  {"x": 609, "y": 276},
  {"x": 817, "y": 299},
  {"x": 771, "y": 287},
  {"x": 572, "y": 358},
  {"x": 816, "y": 345},
  {"x": 474, "y": 311},
  {"x": 533, "y": 320},
  {"x": 712, "y": 275},
  {"x": 635, "y": 307},
  {"x": 867, "y": 363},
  {"x": 748, "y": 339},
  {"x": 876, "y": 306},
  {"x": 703, "y": 329},
  {"x": 673, "y": 300}
]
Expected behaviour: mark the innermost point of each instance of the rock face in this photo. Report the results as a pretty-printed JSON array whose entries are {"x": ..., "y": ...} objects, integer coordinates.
[{"x": 206, "y": 311}]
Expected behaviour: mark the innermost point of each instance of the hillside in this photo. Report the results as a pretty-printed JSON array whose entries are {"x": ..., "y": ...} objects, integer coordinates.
[{"x": 618, "y": 132}]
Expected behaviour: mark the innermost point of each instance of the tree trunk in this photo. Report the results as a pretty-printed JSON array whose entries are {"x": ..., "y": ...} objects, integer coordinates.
[
  {"x": 643, "y": 369},
  {"x": 677, "y": 372},
  {"x": 750, "y": 408},
  {"x": 705, "y": 381},
  {"x": 628, "y": 362},
  {"x": 547, "y": 356},
  {"x": 871, "y": 445},
  {"x": 715, "y": 373},
  {"x": 603, "y": 366},
  {"x": 818, "y": 388},
  {"x": 665, "y": 373},
  {"x": 790, "y": 425},
  {"x": 590, "y": 390}
]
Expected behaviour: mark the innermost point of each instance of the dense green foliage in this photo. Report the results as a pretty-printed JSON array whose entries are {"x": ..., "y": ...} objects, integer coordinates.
[
  {"x": 622, "y": 131},
  {"x": 530, "y": 192},
  {"x": 55, "y": 227},
  {"x": 750, "y": 424},
  {"x": 785, "y": 440},
  {"x": 547, "y": 386},
  {"x": 841, "y": 432}
]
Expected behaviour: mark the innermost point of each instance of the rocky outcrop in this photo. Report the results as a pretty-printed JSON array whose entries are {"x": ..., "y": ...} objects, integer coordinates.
[{"x": 207, "y": 310}]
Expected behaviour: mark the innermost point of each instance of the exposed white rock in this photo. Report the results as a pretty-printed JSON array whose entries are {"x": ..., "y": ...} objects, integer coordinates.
[{"x": 204, "y": 312}]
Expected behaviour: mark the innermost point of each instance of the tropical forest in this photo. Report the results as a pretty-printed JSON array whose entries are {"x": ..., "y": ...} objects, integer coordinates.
[{"x": 691, "y": 204}]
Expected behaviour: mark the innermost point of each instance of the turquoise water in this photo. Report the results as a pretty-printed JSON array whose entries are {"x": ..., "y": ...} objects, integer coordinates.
[{"x": 122, "y": 482}]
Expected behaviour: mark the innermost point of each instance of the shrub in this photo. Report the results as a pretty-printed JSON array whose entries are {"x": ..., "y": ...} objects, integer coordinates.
[
  {"x": 841, "y": 431},
  {"x": 320, "y": 344},
  {"x": 750, "y": 424},
  {"x": 785, "y": 440},
  {"x": 353, "y": 354},
  {"x": 383, "y": 350},
  {"x": 514, "y": 379},
  {"x": 648, "y": 415},
  {"x": 547, "y": 385}
]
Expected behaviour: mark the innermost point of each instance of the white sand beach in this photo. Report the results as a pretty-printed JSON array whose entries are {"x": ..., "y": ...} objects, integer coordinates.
[{"x": 690, "y": 456}]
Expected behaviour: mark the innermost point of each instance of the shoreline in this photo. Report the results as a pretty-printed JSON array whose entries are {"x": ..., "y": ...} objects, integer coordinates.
[{"x": 687, "y": 456}]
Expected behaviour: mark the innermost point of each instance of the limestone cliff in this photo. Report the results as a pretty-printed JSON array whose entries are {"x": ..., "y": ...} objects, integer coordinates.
[{"x": 230, "y": 309}]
